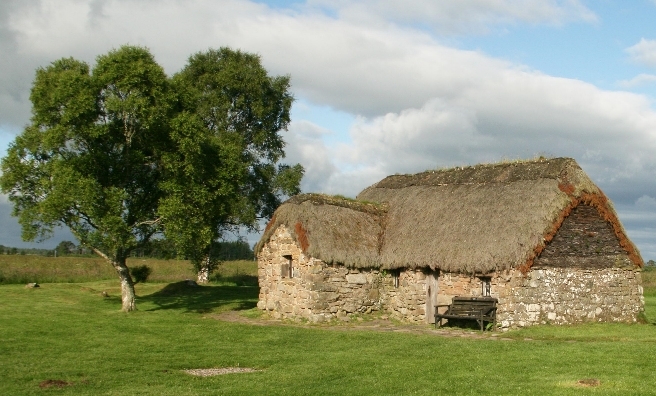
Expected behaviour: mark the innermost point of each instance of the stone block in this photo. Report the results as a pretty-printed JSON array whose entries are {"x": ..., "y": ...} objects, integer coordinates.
[
  {"x": 313, "y": 277},
  {"x": 329, "y": 297},
  {"x": 373, "y": 294},
  {"x": 317, "y": 318},
  {"x": 316, "y": 269},
  {"x": 359, "y": 279}
]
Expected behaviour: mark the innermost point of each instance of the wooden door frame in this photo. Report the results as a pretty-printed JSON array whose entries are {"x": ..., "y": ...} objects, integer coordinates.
[{"x": 431, "y": 289}]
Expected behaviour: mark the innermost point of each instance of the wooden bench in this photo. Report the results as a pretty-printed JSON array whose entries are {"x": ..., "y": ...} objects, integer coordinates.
[{"x": 480, "y": 309}]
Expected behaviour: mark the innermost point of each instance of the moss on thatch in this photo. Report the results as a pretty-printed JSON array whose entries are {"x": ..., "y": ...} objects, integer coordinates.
[
  {"x": 476, "y": 219},
  {"x": 506, "y": 172}
]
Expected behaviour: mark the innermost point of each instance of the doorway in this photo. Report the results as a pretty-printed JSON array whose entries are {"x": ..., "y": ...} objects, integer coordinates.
[{"x": 431, "y": 294}]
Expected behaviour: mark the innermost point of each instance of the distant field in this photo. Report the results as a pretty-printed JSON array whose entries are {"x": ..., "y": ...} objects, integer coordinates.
[
  {"x": 649, "y": 280},
  {"x": 19, "y": 269}
]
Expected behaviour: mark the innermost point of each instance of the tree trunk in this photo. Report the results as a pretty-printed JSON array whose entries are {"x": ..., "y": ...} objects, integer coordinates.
[
  {"x": 204, "y": 271},
  {"x": 127, "y": 286}
]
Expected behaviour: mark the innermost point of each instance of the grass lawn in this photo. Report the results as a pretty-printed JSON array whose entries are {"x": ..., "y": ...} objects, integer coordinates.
[{"x": 68, "y": 332}]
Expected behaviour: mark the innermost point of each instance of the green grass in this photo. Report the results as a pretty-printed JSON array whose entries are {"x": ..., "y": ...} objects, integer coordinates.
[
  {"x": 69, "y": 332},
  {"x": 19, "y": 269}
]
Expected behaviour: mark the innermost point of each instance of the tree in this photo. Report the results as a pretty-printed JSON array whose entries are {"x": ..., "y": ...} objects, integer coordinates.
[
  {"x": 90, "y": 159},
  {"x": 65, "y": 247},
  {"x": 224, "y": 172},
  {"x": 234, "y": 250},
  {"x": 122, "y": 153}
]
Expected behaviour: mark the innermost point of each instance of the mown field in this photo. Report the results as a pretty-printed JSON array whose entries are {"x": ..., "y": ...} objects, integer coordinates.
[{"x": 67, "y": 334}]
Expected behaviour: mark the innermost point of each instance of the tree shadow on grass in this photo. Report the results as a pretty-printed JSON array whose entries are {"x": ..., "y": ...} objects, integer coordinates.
[
  {"x": 202, "y": 299},
  {"x": 239, "y": 280}
]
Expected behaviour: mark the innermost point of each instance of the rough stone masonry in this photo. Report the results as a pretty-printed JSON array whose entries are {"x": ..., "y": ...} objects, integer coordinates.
[{"x": 293, "y": 285}]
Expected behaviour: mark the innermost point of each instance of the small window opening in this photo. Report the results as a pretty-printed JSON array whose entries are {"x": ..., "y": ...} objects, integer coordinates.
[
  {"x": 286, "y": 270},
  {"x": 486, "y": 286},
  {"x": 395, "y": 278}
]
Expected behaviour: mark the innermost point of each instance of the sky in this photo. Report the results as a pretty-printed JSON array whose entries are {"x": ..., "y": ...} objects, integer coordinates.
[{"x": 385, "y": 87}]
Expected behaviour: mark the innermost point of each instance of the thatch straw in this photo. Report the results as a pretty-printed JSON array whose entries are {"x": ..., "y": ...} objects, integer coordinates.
[
  {"x": 474, "y": 220},
  {"x": 334, "y": 229}
]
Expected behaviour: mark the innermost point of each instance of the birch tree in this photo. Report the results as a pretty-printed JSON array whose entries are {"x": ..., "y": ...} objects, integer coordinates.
[{"x": 121, "y": 153}]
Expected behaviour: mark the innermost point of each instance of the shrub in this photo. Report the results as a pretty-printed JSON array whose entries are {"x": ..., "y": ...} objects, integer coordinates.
[{"x": 140, "y": 273}]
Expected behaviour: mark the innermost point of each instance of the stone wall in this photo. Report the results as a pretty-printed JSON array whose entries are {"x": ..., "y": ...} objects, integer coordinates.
[
  {"x": 568, "y": 295},
  {"x": 315, "y": 291},
  {"x": 405, "y": 299},
  {"x": 584, "y": 240},
  {"x": 554, "y": 295},
  {"x": 293, "y": 285}
]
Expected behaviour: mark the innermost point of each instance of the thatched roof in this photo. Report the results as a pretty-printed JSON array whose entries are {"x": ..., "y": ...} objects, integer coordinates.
[
  {"x": 475, "y": 219},
  {"x": 335, "y": 229}
]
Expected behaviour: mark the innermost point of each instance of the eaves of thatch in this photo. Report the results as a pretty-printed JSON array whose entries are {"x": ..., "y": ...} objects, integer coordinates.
[{"x": 476, "y": 219}]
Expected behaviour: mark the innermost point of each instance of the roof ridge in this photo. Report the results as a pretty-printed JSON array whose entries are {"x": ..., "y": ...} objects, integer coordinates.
[
  {"x": 501, "y": 172},
  {"x": 340, "y": 201}
]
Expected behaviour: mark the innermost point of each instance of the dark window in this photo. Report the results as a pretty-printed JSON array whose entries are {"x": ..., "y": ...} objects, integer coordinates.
[
  {"x": 286, "y": 270},
  {"x": 486, "y": 286}
]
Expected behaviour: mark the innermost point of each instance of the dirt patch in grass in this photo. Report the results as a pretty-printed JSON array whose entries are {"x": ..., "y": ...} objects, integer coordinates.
[
  {"x": 54, "y": 383},
  {"x": 209, "y": 372},
  {"x": 588, "y": 382}
]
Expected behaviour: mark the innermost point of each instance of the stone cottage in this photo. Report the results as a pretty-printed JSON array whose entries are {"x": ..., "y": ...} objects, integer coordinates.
[{"x": 538, "y": 235}]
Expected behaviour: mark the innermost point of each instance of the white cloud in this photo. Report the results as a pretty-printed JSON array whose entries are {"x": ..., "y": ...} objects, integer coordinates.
[
  {"x": 305, "y": 146},
  {"x": 643, "y": 52},
  {"x": 639, "y": 80},
  {"x": 646, "y": 202}
]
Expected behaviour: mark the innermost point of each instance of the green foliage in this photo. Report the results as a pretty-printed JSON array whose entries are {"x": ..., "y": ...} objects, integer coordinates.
[
  {"x": 224, "y": 171},
  {"x": 140, "y": 273},
  {"x": 65, "y": 248},
  {"x": 89, "y": 158},
  {"x": 120, "y": 152},
  {"x": 233, "y": 250},
  {"x": 159, "y": 248}
]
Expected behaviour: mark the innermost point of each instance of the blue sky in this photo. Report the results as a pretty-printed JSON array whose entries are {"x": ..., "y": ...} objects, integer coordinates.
[{"x": 388, "y": 87}]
